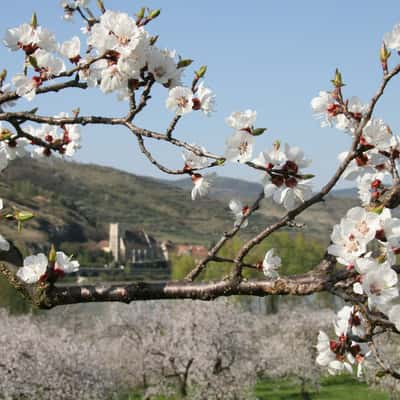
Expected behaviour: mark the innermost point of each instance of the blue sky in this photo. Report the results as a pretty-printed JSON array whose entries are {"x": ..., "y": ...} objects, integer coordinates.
[{"x": 265, "y": 55}]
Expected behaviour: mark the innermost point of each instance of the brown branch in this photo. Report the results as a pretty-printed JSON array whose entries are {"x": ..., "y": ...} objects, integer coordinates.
[
  {"x": 134, "y": 110},
  {"x": 52, "y": 88},
  {"x": 172, "y": 126},
  {"x": 299, "y": 285},
  {"x": 161, "y": 167}
]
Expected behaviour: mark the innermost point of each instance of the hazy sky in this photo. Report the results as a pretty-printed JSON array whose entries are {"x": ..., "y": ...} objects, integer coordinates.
[{"x": 265, "y": 55}]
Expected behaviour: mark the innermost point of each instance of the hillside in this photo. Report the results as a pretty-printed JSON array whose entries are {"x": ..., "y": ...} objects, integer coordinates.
[{"x": 75, "y": 202}]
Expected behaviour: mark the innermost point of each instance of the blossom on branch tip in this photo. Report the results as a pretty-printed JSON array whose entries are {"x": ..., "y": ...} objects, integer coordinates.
[
  {"x": 239, "y": 211},
  {"x": 29, "y": 39},
  {"x": 322, "y": 107},
  {"x": 192, "y": 160},
  {"x": 242, "y": 121},
  {"x": 271, "y": 264},
  {"x": 379, "y": 283},
  {"x": 392, "y": 39},
  {"x": 201, "y": 185}
]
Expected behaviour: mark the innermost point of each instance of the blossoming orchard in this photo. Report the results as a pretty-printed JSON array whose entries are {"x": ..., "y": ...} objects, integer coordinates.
[{"x": 115, "y": 54}]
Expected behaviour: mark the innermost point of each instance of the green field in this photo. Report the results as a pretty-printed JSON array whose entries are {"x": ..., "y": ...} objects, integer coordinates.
[{"x": 332, "y": 388}]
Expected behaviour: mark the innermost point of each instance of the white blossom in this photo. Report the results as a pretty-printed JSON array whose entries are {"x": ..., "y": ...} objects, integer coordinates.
[
  {"x": 24, "y": 86},
  {"x": 378, "y": 134},
  {"x": 201, "y": 185},
  {"x": 34, "y": 268},
  {"x": 239, "y": 211},
  {"x": 180, "y": 100},
  {"x": 161, "y": 63},
  {"x": 327, "y": 358},
  {"x": 65, "y": 264},
  {"x": 29, "y": 39},
  {"x": 320, "y": 106},
  {"x": 204, "y": 99},
  {"x": 241, "y": 120},
  {"x": 71, "y": 48},
  {"x": 347, "y": 319},
  {"x": 379, "y": 283},
  {"x": 239, "y": 147},
  {"x": 192, "y": 160},
  {"x": 392, "y": 39},
  {"x": 346, "y": 246},
  {"x": 271, "y": 264}
]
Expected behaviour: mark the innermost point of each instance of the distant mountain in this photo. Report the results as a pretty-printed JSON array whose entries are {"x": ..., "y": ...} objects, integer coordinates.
[
  {"x": 225, "y": 188},
  {"x": 351, "y": 193},
  {"x": 74, "y": 203}
]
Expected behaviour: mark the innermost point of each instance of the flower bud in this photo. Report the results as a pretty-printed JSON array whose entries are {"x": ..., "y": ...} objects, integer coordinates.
[
  {"x": 337, "y": 80},
  {"x": 52, "y": 255},
  {"x": 384, "y": 53},
  {"x": 34, "y": 22}
]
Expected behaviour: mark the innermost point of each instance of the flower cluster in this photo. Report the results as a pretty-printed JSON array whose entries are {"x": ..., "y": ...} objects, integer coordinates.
[
  {"x": 283, "y": 180},
  {"x": 344, "y": 352},
  {"x": 66, "y": 139}
]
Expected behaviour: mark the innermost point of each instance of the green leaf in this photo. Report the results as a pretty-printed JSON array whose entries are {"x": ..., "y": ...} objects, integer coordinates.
[
  {"x": 201, "y": 71},
  {"x": 154, "y": 14},
  {"x": 184, "y": 63},
  {"x": 258, "y": 131},
  {"x": 140, "y": 13}
]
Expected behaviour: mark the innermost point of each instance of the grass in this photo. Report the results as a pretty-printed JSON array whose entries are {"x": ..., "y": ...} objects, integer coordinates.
[{"x": 332, "y": 388}]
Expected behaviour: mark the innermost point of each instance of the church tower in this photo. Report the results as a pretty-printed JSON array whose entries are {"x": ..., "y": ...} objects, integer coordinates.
[{"x": 115, "y": 241}]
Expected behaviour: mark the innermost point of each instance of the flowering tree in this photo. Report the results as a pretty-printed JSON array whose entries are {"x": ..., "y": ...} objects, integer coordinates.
[
  {"x": 196, "y": 350},
  {"x": 119, "y": 56}
]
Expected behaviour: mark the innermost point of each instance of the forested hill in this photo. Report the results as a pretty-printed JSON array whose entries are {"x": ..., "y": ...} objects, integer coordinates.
[{"x": 75, "y": 202}]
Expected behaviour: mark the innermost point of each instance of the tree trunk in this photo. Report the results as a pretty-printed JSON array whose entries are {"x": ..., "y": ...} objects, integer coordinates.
[{"x": 303, "y": 390}]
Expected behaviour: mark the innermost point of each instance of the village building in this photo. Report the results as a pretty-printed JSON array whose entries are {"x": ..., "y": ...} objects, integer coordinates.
[{"x": 133, "y": 247}]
